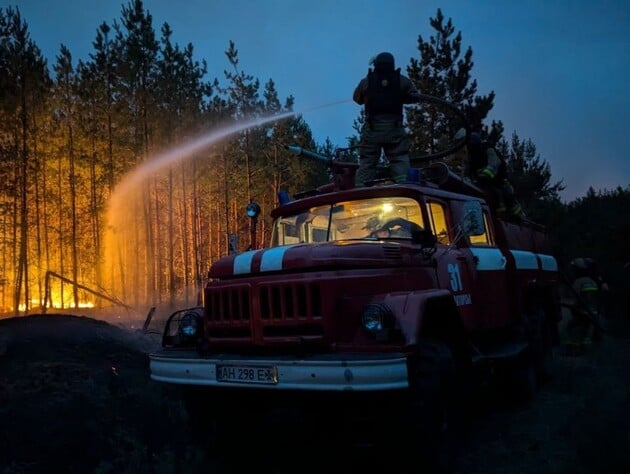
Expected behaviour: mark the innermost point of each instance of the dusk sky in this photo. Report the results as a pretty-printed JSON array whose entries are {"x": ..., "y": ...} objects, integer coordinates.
[{"x": 559, "y": 68}]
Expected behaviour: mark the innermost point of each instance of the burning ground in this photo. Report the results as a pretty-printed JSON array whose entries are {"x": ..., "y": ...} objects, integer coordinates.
[{"x": 75, "y": 396}]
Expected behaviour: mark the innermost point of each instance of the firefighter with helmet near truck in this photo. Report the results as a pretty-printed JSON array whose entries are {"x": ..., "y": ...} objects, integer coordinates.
[
  {"x": 383, "y": 92},
  {"x": 487, "y": 169},
  {"x": 589, "y": 288}
]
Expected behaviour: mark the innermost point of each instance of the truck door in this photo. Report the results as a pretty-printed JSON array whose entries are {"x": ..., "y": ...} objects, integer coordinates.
[
  {"x": 452, "y": 265},
  {"x": 489, "y": 272},
  {"x": 453, "y": 269}
]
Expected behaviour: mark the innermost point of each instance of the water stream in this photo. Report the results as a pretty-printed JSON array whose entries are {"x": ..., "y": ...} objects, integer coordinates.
[
  {"x": 122, "y": 239},
  {"x": 186, "y": 151}
]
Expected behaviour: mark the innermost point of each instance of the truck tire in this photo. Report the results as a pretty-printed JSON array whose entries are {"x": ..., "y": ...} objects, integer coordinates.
[{"x": 433, "y": 408}]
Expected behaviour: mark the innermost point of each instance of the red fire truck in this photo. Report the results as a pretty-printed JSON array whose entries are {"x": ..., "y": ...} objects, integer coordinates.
[{"x": 402, "y": 291}]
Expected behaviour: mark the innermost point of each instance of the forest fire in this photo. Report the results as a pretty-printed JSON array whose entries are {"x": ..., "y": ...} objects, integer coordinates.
[
  {"x": 57, "y": 303},
  {"x": 151, "y": 248}
]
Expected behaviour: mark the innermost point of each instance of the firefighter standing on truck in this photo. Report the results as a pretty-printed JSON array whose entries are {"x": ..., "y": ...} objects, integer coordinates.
[
  {"x": 383, "y": 92},
  {"x": 487, "y": 169}
]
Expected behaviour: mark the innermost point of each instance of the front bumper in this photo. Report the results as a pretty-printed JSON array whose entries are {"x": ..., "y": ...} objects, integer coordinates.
[{"x": 326, "y": 372}]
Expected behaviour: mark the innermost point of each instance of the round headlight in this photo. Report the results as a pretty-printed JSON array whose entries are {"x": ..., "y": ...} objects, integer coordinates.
[
  {"x": 377, "y": 319},
  {"x": 189, "y": 325}
]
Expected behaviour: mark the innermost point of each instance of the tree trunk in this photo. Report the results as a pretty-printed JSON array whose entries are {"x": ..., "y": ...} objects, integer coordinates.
[{"x": 22, "y": 273}]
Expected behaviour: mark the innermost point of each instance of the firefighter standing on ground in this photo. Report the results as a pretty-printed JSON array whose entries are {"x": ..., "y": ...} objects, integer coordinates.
[
  {"x": 590, "y": 288},
  {"x": 487, "y": 169},
  {"x": 383, "y": 92}
]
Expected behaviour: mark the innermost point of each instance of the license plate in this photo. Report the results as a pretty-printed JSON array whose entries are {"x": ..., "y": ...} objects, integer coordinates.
[{"x": 267, "y": 374}]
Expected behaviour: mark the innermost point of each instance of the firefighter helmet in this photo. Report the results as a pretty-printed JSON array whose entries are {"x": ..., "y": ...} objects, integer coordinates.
[
  {"x": 384, "y": 62},
  {"x": 583, "y": 263}
]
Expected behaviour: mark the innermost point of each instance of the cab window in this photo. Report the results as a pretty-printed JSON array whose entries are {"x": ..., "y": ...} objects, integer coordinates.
[
  {"x": 483, "y": 240},
  {"x": 392, "y": 217},
  {"x": 437, "y": 216}
]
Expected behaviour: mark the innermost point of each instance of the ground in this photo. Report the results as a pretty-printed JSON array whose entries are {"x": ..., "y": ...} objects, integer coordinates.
[{"x": 76, "y": 397}]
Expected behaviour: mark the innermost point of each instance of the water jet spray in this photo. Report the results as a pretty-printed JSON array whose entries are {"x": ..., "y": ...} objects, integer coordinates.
[
  {"x": 184, "y": 151},
  {"x": 124, "y": 239}
]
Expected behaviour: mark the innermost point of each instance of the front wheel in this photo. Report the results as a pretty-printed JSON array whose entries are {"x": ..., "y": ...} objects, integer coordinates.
[{"x": 433, "y": 408}]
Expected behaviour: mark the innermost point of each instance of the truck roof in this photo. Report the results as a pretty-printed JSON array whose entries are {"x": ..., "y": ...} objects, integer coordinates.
[{"x": 449, "y": 187}]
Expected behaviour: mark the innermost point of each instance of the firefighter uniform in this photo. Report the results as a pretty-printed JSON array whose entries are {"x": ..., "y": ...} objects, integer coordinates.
[
  {"x": 488, "y": 170},
  {"x": 585, "y": 314},
  {"x": 586, "y": 311},
  {"x": 383, "y": 92}
]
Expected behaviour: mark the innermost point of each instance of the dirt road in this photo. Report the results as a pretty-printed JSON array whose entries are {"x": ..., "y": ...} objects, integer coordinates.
[{"x": 578, "y": 423}]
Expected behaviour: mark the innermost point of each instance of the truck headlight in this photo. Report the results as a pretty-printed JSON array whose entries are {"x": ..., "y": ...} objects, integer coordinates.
[
  {"x": 184, "y": 328},
  {"x": 190, "y": 324},
  {"x": 378, "y": 320}
]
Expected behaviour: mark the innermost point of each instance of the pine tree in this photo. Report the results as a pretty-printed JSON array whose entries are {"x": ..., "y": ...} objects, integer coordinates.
[
  {"x": 104, "y": 121},
  {"x": 24, "y": 79},
  {"x": 139, "y": 49},
  {"x": 245, "y": 156},
  {"x": 101, "y": 80},
  {"x": 597, "y": 225},
  {"x": 530, "y": 176},
  {"x": 284, "y": 170},
  {"x": 180, "y": 94},
  {"x": 66, "y": 85},
  {"x": 444, "y": 72}
]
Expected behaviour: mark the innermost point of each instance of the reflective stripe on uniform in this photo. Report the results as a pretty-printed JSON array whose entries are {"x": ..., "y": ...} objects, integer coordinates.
[{"x": 487, "y": 172}]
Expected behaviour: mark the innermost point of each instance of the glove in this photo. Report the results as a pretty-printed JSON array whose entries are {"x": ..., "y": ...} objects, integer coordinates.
[{"x": 485, "y": 174}]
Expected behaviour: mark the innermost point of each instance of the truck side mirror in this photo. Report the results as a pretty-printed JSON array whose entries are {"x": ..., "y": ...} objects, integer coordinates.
[
  {"x": 472, "y": 223},
  {"x": 424, "y": 238}
]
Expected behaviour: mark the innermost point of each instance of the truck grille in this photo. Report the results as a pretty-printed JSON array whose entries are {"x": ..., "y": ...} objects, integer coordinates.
[
  {"x": 290, "y": 301},
  {"x": 292, "y": 309},
  {"x": 228, "y": 304}
]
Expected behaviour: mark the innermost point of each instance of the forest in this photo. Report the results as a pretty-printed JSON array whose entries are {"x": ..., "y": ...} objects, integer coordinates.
[{"x": 73, "y": 132}]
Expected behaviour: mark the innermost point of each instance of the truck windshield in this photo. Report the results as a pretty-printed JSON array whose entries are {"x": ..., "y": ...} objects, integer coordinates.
[{"x": 375, "y": 218}]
